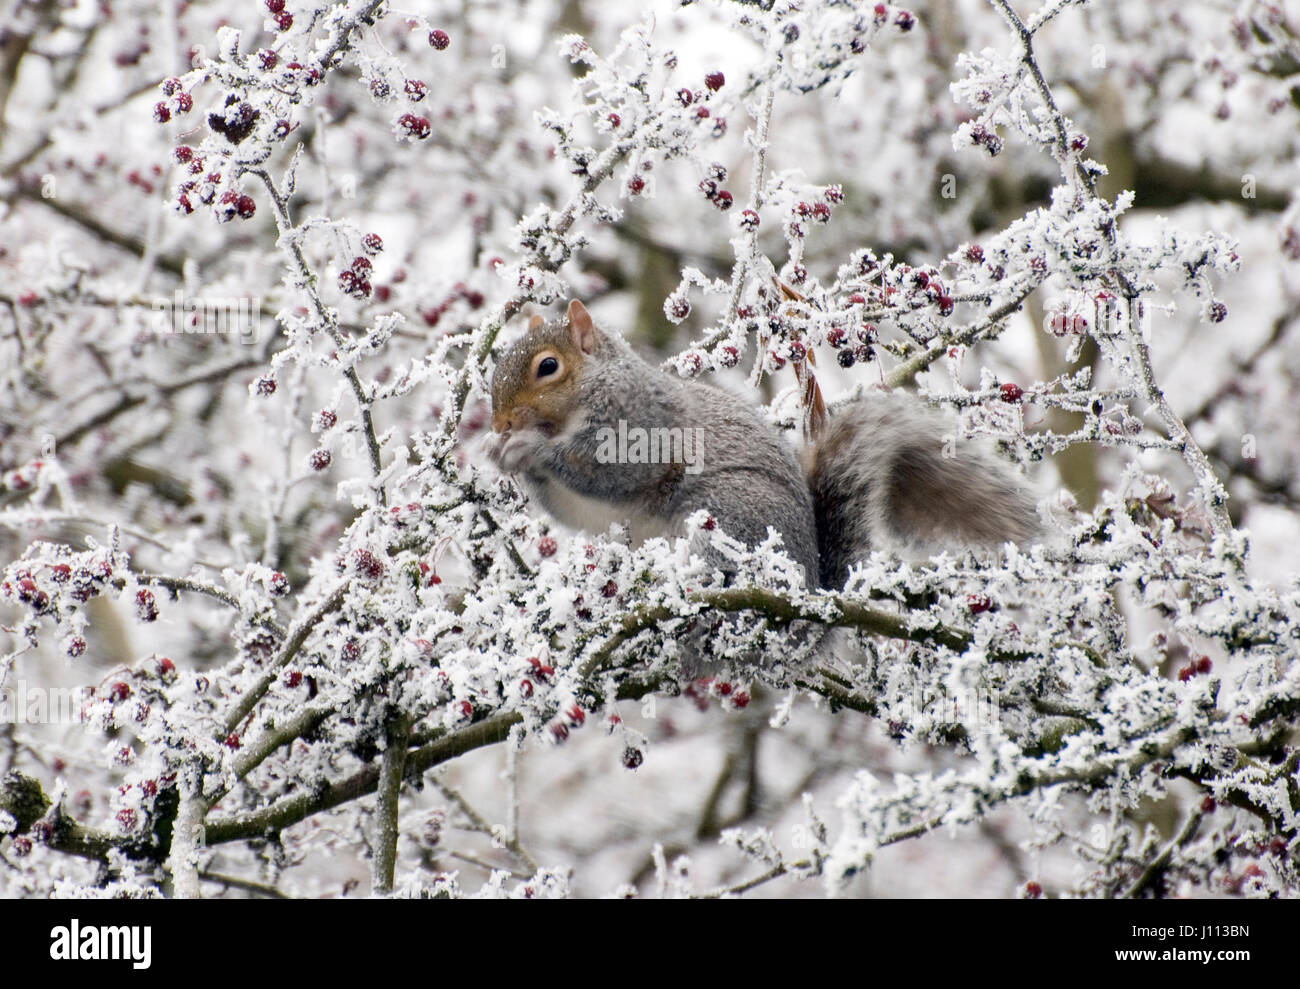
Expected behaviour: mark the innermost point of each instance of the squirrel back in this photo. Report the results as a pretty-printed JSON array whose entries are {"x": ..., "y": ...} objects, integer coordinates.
[{"x": 598, "y": 435}]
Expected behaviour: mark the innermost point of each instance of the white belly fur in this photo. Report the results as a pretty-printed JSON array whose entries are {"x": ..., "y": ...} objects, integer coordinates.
[{"x": 577, "y": 511}]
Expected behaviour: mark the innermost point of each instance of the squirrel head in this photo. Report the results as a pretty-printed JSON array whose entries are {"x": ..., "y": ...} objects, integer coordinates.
[{"x": 536, "y": 381}]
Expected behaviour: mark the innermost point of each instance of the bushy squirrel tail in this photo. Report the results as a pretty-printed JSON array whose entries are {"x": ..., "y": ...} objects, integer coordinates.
[{"x": 886, "y": 474}]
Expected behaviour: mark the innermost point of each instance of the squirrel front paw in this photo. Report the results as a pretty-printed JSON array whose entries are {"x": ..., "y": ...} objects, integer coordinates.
[{"x": 513, "y": 451}]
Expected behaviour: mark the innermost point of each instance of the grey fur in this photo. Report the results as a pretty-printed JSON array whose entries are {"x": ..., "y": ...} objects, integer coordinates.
[
  {"x": 880, "y": 480},
  {"x": 877, "y": 479},
  {"x": 751, "y": 477}
]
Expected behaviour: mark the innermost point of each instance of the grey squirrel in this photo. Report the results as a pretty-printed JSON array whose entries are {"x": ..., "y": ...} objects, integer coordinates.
[{"x": 598, "y": 435}]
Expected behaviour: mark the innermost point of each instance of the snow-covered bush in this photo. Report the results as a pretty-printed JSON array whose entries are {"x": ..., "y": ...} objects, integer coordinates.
[{"x": 270, "y": 615}]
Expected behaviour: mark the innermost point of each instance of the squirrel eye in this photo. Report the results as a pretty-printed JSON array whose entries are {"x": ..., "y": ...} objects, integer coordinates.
[{"x": 548, "y": 365}]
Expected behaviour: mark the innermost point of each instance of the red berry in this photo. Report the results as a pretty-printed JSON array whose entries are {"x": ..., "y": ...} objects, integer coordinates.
[
  {"x": 119, "y": 692},
  {"x": 439, "y": 39},
  {"x": 268, "y": 59},
  {"x": 974, "y": 254},
  {"x": 740, "y": 699},
  {"x": 275, "y": 6},
  {"x": 546, "y": 546},
  {"x": 635, "y": 184},
  {"x": 232, "y": 741},
  {"x": 610, "y": 589},
  {"x": 126, "y": 818},
  {"x": 632, "y": 758},
  {"x": 416, "y": 90},
  {"x": 1011, "y": 393},
  {"x": 905, "y": 21},
  {"x": 183, "y": 153},
  {"x": 413, "y": 126},
  {"x": 21, "y": 846},
  {"x": 559, "y": 731},
  {"x": 278, "y": 584},
  {"x": 245, "y": 207},
  {"x": 319, "y": 459},
  {"x": 75, "y": 646},
  {"x": 324, "y": 420},
  {"x": 749, "y": 220},
  {"x": 614, "y": 120},
  {"x": 576, "y": 715},
  {"x": 1218, "y": 312},
  {"x": 284, "y": 20},
  {"x": 1208, "y": 805},
  {"x": 540, "y": 671},
  {"x": 723, "y": 200},
  {"x": 978, "y": 603},
  {"x": 265, "y": 387},
  {"x": 146, "y": 609},
  {"x": 1185, "y": 674},
  {"x": 714, "y": 81},
  {"x": 372, "y": 243},
  {"x": 367, "y": 564},
  {"x": 464, "y": 710},
  {"x": 161, "y": 113},
  {"x": 526, "y": 688},
  {"x": 184, "y": 102},
  {"x": 1203, "y": 665},
  {"x": 1033, "y": 890}
]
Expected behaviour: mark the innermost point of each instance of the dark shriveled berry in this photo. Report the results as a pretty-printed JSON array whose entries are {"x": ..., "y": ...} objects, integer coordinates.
[{"x": 146, "y": 608}]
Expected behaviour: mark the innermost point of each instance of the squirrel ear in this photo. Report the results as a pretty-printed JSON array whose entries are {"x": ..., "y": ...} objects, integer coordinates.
[
  {"x": 581, "y": 327},
  {"x": 535, "y": 322}
]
